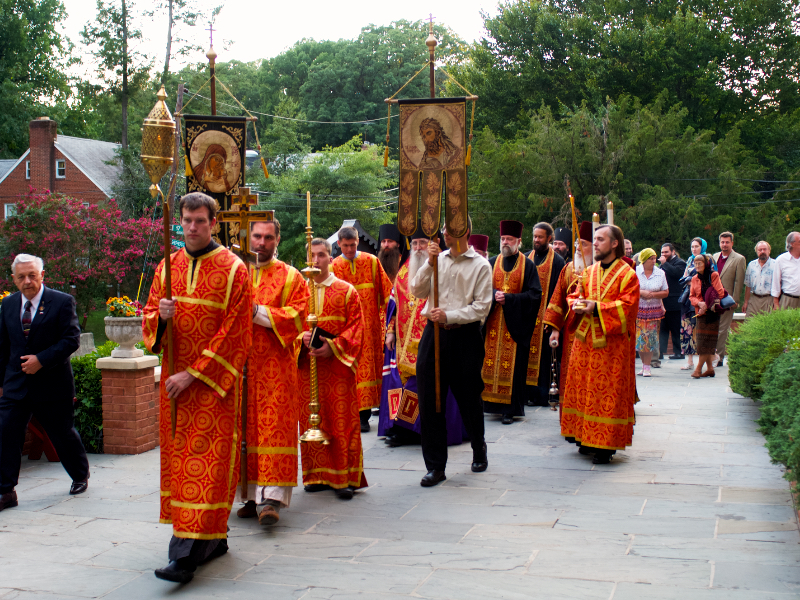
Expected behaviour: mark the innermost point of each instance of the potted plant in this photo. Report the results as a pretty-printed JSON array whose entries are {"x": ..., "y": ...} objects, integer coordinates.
[{"x": 124, "y": 326}]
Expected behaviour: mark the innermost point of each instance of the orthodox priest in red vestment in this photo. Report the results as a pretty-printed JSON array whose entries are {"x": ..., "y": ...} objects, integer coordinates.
[
  {"x": 509, "y": 327},
  {"x": 211, "y": 309},
  {"x": 280, "y": 296},
  {"x": 364, "y": 272},
  {"x": 340, "y": 333},
  {"x": 559, "y": 319},
  {"x": 548, "y": 266},
  {"x": 601, "y": 382}
]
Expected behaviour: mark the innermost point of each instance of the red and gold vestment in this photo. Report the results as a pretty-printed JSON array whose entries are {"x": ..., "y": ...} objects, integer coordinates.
[
  {"x": 408, "y": 324},
  {"x": 601, "y": 382},
  {"x": 340, "y": 463},
  {"x": 212, "y": 335},
  {"x": 545, "y": 271},
  {"x": 374, "y": 287},
  {"x": 273, "y": 403},
  {"x": 561, "y": 318}
]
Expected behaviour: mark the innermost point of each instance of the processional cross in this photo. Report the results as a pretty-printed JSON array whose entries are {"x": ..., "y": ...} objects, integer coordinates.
[
  {"x": 211, "y": 31},
  {"x": 243, "y": 218}
]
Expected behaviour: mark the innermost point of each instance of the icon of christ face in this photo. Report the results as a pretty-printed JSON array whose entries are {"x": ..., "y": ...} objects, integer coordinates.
[{"x": 439, "y": 149}]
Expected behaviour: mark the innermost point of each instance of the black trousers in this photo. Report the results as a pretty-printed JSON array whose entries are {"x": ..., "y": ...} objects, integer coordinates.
[
  {"x": 56, "y": 417},
  {"x": 670, "y": 325},
  {"x": 461, "y": 359}
]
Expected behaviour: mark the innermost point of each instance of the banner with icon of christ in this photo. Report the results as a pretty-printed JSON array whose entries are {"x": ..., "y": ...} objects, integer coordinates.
[{"x": 433, "y": 144}]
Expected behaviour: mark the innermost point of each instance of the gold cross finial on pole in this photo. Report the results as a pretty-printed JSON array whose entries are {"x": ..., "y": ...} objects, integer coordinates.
[
  {"x": 244, "y": 217},
  {"x": 211, "y": 31}
]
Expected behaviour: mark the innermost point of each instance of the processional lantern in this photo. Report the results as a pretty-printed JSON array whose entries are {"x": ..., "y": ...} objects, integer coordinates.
[{"x": 158, "y": 155}]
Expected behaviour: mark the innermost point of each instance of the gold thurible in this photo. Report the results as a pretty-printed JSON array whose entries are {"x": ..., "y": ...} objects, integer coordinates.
[{"x": 313, "y": 433}]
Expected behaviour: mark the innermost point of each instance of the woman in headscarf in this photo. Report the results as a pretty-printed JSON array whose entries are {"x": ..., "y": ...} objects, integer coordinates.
[
  {"x": 706, "y": 291},
  {"x": 652, "y": 288},
  {"x": 688, "y": 319}
]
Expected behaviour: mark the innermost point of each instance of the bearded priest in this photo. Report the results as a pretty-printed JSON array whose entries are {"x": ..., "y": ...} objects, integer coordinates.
[
  {"x": 548, "y": 265},
  {"x": 601, "y": 382},
  {"x": 280, "y": 305},
  {"x": 516, "y": 294},
  {"x": 365, "y": 272}
]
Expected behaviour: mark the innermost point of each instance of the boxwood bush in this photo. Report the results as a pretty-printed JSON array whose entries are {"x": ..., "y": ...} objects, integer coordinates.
[
  {"x": 780, "y": 411},
  {"x": 89, "y": 392},
  {"x": 757, "y": 343}
]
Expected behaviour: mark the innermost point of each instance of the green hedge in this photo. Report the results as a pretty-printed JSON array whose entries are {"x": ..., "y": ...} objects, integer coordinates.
[
  {"x": 757, "y": 343},
  {"x": 89, "y": 392},
  {"x": 780, "y": 411}
]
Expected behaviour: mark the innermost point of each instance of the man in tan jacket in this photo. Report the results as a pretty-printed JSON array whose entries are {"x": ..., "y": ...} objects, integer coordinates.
[{"x": 731, "y": 266}]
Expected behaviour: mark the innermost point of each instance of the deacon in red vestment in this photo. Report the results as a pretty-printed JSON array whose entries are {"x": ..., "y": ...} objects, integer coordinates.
[
  {"x": 211, "y": 309},
  {"x": 516, "y": 295},
  {"x": 280, "y": 296},
  {"x": 548, "y": 265},
  {"x": 339, "y": 465},
  {"x": 364, "y": 272},
  {"x": 559, "y": 319},
  {"x": 601, "y": 384}
]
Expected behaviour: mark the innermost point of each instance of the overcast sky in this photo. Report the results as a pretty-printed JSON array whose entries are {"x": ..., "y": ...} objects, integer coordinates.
[{"x": 265, "y": 29}]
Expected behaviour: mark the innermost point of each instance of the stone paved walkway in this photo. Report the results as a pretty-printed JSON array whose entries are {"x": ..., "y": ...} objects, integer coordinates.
[{"x": 693, "y": 510}]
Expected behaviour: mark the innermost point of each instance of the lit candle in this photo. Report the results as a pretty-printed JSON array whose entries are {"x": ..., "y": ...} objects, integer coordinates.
[
  {"x": 610, "y": 210},
  {"x": 308, "y": 208},
  {"x": 595, "y": 223}
]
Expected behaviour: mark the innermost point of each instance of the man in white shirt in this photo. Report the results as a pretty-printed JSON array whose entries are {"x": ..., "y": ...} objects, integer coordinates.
[
  {"x": 786, "y": 275},
  {"x": 465, "y": 298},
  {"x": 758, "y": 281}
]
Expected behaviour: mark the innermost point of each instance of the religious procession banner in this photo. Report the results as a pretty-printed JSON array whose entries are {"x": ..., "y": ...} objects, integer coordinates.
[
  {"x": 433, "y": 144},
  {"x": 215, "y": 150}
]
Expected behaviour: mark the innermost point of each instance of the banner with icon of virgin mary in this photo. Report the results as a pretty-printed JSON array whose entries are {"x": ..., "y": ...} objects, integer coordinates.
[
  {"x": 433, "y": 144},
  {"x": 215, "y": 148}
]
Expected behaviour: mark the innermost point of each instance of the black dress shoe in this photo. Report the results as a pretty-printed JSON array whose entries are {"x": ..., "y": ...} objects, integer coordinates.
[
  {"x": 585, "y": 450},
  {"x": 675, "y": 356},
  {"x": 432, "y": 478},
  {"x": 8, "y": 500},
  {"x": 316, "y": 487},
  {"x": 395, "y": 442},
  {"x": 78, "y": 487},
  {"x": 508, "y": 419},
  {"x": 602, "y": 457},
  {"x": 389, "y": 438},
  {"x": 364, "y": 427},
  {"x": 480, "y": 461},
  {"x": 179, "y": 571},
  {"x": 344, "y": 493}
]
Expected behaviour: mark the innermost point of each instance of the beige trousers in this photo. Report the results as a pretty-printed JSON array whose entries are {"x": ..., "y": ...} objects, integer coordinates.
[
  {"x": 787, "y": 302},
  {"x": 758, "y": 305}
]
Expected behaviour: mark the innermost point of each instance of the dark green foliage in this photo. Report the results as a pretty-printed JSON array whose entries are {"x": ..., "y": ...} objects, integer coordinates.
[
  {"x": 89, "y": 392},
  {"x": 780, "y": 411},
  {"x": 756, "y": 344}
]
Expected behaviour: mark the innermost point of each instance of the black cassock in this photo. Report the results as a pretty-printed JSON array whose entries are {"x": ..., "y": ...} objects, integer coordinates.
[
  {"x": 538, "y": 394},
  {"x": 519, "y": 312}
]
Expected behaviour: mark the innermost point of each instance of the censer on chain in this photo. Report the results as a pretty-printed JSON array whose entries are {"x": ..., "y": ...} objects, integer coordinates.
[{"x": 553, "y": 392}]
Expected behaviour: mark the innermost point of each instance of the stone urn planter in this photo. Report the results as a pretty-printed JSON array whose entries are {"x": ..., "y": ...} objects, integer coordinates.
[{"x": 127, "y": 332}]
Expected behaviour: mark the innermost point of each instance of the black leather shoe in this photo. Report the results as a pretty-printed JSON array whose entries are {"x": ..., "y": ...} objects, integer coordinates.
[
  {"x": 432, "y": 478},
  {"x": 364, "y": 427},
  {"x": 585, "y": 450},
  {"x": 344, "y": 493},
  {"x": 178, "y": 572},
  {"x": 316, "y": 487},
  {"x": 78, "y": 487},
  {"x": 480, "y": 461},
  {"x": 675, "y": 356},
  {"x": 394, "y": 442},
  {"x": 507, "y": 420},
  {"x": 8, "y": 500},
  {"x": 602, "y": 457}
]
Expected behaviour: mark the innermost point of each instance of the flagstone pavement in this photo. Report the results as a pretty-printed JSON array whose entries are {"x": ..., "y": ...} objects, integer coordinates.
[{"x": 693, "y": 510}]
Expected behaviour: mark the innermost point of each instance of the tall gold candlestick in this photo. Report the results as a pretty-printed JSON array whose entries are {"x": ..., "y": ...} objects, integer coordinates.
[{"x": 308, "y": 219}]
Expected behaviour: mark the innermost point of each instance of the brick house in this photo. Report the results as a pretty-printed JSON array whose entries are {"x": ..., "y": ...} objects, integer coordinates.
[{"x": 73, "y": 166}]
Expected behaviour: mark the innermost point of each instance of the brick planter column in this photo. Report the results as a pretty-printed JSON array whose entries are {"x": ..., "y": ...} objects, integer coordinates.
[{"x": 130, "y": 404}]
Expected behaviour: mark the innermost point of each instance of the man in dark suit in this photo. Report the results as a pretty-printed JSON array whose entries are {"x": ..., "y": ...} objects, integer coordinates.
[
  {"x": 673, "y": 267},
  {"x": 38, "y": 333}
]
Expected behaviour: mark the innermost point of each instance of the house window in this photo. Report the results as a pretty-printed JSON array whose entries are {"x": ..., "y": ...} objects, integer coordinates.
[
  {"x": 10, "y": 210},
  {"x": 61, "y": 169},
  {"x": 27, "y": 169}
]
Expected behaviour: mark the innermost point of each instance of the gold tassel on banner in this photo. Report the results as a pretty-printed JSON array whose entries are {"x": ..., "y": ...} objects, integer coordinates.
[
  {"x": 386, "y": 156},
  {"x": 188, "y": 168},
  {"x": 264, "y": 167},
  {"x": 469, "y": 155}
]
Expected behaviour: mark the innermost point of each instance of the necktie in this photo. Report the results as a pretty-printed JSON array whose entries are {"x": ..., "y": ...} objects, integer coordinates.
[{"x": 26, "y": 318}]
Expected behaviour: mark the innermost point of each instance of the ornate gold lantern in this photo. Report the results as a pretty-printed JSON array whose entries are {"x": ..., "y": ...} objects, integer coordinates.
[{"x": 158, "y": 141}]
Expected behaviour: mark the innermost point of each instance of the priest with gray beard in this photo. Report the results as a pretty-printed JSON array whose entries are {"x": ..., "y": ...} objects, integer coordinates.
[{"x": 509, "y": 327}]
